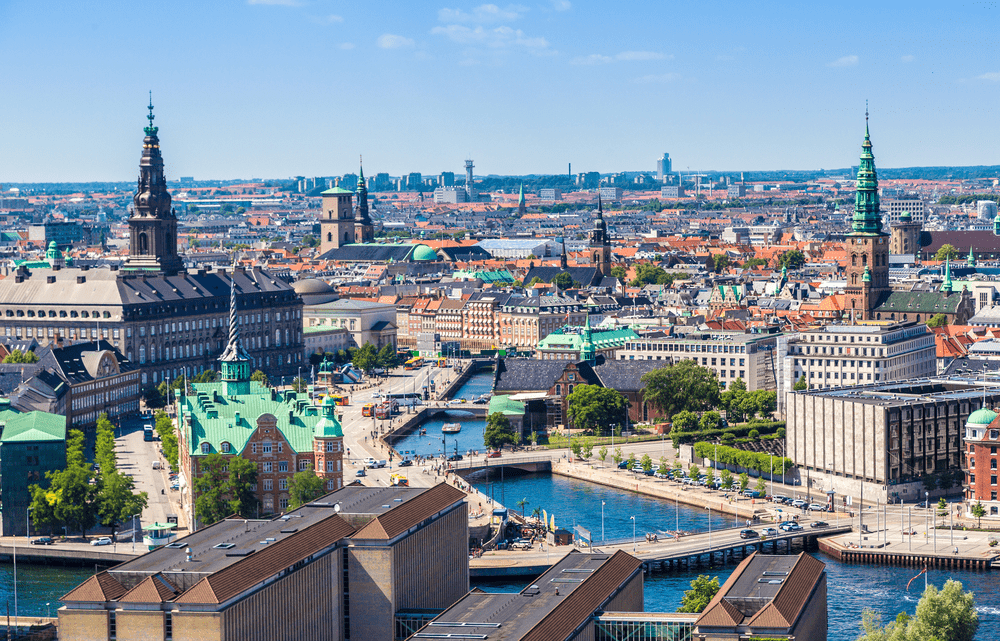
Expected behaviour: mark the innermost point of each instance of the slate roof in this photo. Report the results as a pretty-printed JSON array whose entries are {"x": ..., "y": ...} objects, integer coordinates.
[
  {"x": 527, "y": 375},
  {"x": 922, "y": 302},
  {"x": 401, "y": 518},
  {"x": 585, "y": 276},
  {"x": 370, "y": 252},
  {"x": 624, "y": 375},
  {"x": 981, "y": 242},
  {"x": 466, "y": 253},
  {"x": 152, "y": 590},
  {"x": 77, "y": 363}
]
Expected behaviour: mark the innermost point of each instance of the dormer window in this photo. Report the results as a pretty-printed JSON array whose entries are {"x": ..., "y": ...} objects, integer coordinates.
[
  {"x": 226, "y": 447},
  {"x": 205, "y": 448}
]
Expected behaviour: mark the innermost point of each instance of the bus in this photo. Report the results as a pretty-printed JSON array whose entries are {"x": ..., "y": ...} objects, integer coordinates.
[
  {"x": 383, "y": 411},
  {"x": 404, "y": 398},
  {"x": 414, "y": 363},
  {"x": 147, "y": 433},
  {"x": 340, "y": 400},
  {"x": 442, "y": 362},
  {"x": 368, "y": 410}
]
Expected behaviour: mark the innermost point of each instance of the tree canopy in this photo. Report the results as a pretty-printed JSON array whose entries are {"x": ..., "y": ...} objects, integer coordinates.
[
  {"x": 592, "y": 407},
  {"x": 563, "y": 281},
  {"x": 16, "y": 356},
  {"x": 792, "y": 259},
  {"x": 304, "y": 487},
  {"x": 366, "y": 358},
  {"x": 937, "y": 321},
  {"x": 946, "y": 251},
  {"x": 681, "y": 386},
  {"x": 498, "y": 431},
  {"x": 948, "y": 614},
  {"x": 703, "y": 589}
]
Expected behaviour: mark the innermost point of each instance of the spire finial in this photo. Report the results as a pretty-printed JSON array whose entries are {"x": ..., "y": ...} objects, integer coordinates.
[
  {"x": 866, "y": 118},
  {"x": 150, "y": 130},
  {"x": 361, "y": 169}
]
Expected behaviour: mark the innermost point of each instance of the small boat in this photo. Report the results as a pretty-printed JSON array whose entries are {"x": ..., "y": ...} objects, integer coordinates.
[{"x": 451, "y": 428}]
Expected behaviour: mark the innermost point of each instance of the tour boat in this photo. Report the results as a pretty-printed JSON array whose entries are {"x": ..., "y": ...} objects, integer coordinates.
[{"x": 451, "y": 428}]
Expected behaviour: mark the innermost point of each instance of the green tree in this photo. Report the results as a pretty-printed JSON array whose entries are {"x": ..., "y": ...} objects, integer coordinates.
[
  {"x": 209, "y": 483},
  {"x": 978, "y": 511},
  {"x": 646, "y": 462},
  {"x": 498, "y": 431},
  {"x": 117, "y": 500},
  {"x": 104, "y": 444},
  {"x": 728, "y": 438},
  {"x": 521, "y": 503},
  {"x": 760, "y": 486},
  {"x": 534, "y": 281},
  {"x": 366, "y": 358},
  {"x": 754, "y": 434},
  {"x": 153, "y": 397},
  {"x": 387, "y": 357},
  {"x": 563, "y": 281},
  {"x": 575, "y": 448},
  {"x": 630, "y": 462},
  {"x": 937, "y": 321},
  {"x": 744, "y": 481},
  {"x": 727, "y": 478},
  {"x": 694, "y": 472},
  {"x": 42, "y": 508},
  {"x": 239, "y": 487},
  {"x": 719, "y": 263},
  {"x": 732, "y": 396},
  {"x": 304, "y": 487},
  {"x": 259, "y": 377},
  {"x": 662, "y": 468},
  {"x": 942, "y": 506},
  {"x": 602, "y": 454},
  {"x": 164, "y": 427},
  {"x": 619, "y": 272},
  {"x": 587, "y": 449},
  {"x": 299, "y": 384},
  {"x": 945, "y": 252},
  {"x": 617, "y": 457},
  {"x": 684, "y": 421},
  {"x": 16, "y": 356},
  {"x": 801, "y": 384},
  {"x": 754, "y": 262},
  {"x": 593, "y": 407},
  {"x": 678, "y": 468},
  {"x": 792, "y": 259},
  {"x": 948, "y": 614},
  {"x": 681, "y": 386},
  {"x": 710, "y": 420},
  {"x": 701, "y": 593}
]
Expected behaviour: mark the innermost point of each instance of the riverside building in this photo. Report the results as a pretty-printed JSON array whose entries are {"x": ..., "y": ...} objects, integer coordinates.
[
  {"x": 164, "y": 319},
  {"x": 982, "y": 440}
]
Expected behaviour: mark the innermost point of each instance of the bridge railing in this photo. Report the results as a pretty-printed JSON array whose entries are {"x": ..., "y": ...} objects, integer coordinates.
[
  {"x": 499, "y": 461},
  {"x": 704, "y": 548}
]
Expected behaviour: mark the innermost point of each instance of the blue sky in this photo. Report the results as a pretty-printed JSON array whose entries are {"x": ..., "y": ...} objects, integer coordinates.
[{"x": 277, "y": 88}]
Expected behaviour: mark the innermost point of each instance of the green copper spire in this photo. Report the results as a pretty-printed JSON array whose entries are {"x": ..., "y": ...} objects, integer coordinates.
[
  {"x": 150, "y": 130},
  {"x": 947, "y": 286},
  {"x": 587, "y": 351},
  {"x": 867, "y": 216},
  {"x": 520, "y": 199},
  {"x": 235, "y": 361},
  {"x": 971, "y": 261},
  {"x": 328, "y": 425}
]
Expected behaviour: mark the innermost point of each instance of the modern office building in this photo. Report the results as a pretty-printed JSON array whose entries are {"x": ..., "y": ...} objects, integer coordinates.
[
  {"x": 893, "y": 209},
  {"x": 883, "y": 439},
  {"x": 611, "y": 194},
  {"x": 663, "y": 167},
  {"x": 352, "y": 565},
  {"x": 750, "y": 357},
  {"x": 31, "y": 444}
]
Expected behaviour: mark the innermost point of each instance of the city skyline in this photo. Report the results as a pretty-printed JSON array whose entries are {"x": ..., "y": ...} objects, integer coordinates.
[{"x": 278, "y": 88}]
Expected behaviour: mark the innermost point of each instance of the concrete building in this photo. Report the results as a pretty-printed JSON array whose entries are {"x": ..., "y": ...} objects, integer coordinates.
[
  {"x": 550, "y": 194},
  {"x": 750, "y": 357},
  {"x": 31, "y": 444},
  {"x": 904, "y": 235},
  {"x": 849, "y": 355},
  {"x": 986, "y": 210},
  {"x": 663, "y": 167},
  {"x": 450, "y": 195},
  {"x": 736, "y": 190},
  {"x": 982, "y": 439},
  {"x": 611, "y": 194},
  {"x": 521, "y": 248},
  {"x": 366, "y": 321},
  {"x": 352, "y": 565},
  {"x": 883, "y": 439},
  {"x": 893, "y": 208},
  {"x": 672, "y": 191},
  {"x": 524, "y": 321}
]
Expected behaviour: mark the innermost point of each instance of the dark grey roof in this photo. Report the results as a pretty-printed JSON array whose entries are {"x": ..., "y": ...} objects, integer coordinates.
[
  {"x": 368, "y": 253},
  {"x": 468, "y": 253},
  {"x": 585, "y": 276},
  {"x": 624, "y": 375},
  {"x": 527, "y": 375},
  {"x": 75, "y": 362},
  {"x": 964, "y": 366}
]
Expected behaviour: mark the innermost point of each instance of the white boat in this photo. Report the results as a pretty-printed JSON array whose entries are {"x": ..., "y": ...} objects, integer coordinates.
[{"x": 451, "y": 428}]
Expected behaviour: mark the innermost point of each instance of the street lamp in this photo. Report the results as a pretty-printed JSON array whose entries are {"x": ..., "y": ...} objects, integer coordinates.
[
  {"x": 927, "y": 500},
  {"x": 602, "y": 521},
  {"x": 27, "y": 523},
  {"x": 711, "y": 556},
  {"x": 633, "y": 533}
]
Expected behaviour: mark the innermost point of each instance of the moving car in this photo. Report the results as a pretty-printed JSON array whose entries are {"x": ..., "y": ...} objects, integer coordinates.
[
  {"x": 361, "y": 473},
  {"x": 369, "y": 462},
  {"x": 790, "y": 527},
  {"x": 455, "y": 457},
  {"x": 749, "y": 533},
  {"x": 405, "y": 461},
  {"x": 100, "y": 541},
  {"x": 494, "y": 453},
  {"x": 43, "y": 541},
  {"x": 820, "y": 507},
  {"x": 818, "y": 525},
  {"x": 770, "y": 532}
]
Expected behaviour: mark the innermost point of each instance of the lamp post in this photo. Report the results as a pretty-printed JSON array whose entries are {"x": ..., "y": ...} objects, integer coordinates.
[
  {"x": 711, "y": 556},
  {"x": 602, "y": 521},
  {"x": 772, "y": 476},
  {"x": 677, "y": 517},
  {"x": 27, "y": 523},
  {"x": 927, "y": 500},
  {"x": 633, "y": 533}
]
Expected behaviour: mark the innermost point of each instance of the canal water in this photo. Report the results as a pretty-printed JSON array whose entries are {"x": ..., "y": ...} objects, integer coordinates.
[
  {"x": 38, "y": 584},
  {"x": 850, "y": 587},
  {"x": 469, "y": 438}
]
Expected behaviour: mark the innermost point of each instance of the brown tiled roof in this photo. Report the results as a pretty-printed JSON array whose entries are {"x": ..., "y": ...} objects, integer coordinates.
[
  {"x": 719, "y": 611},
  {"x": 96, "y": 588},
  {"x": 400, "y": 519},
  {"x": 152, "y": 590},
  {"x": 249, "y": 571},
  {"x": 585, "y": 599},
  {"x": 787, "y": 605}
]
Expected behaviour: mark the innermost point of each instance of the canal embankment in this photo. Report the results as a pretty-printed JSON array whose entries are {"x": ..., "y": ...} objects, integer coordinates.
[{"x": 958, "y": 549}]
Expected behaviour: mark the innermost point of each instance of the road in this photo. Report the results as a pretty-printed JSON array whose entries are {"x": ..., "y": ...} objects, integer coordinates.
[{"x": 135, "y": 458}]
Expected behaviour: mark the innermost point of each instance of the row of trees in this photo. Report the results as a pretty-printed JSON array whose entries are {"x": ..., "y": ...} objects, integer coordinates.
[
  {"x": 78, "y": 497},
  {"x": 164, "y": 428},
  {"x": 368, "y": 358},
  {"x": 748, "y": 459}
]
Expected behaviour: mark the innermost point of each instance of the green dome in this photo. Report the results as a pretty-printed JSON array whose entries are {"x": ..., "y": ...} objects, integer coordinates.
[
  {"x": 424, "y": 253},
  {"x": 983, "y": 416},
  {"x": 905, "y": 216}
]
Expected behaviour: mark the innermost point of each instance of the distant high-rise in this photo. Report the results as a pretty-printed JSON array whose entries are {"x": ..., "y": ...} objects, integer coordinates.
[
  {"x": 470, "y": 187},
  {"x": 446, "y": 179},
  {"x": 663, "y": 167}
]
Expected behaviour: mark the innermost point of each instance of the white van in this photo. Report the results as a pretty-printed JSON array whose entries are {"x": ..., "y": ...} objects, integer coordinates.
[{"x": 156, "y": 464}]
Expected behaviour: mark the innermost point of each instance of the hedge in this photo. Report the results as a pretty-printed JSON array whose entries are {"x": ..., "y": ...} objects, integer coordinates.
[
  {"x": 738, "y": 430},
  {"x": 761, "y": 462}
]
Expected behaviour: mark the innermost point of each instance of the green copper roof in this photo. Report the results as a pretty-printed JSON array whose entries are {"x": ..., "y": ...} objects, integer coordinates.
[
  {"x": 213, "y": 416},
  {"x": 423, "y": 252},
  {"x": 905, "y": 216},
  {"x": 867, "y": 276},
  {"x": 328, "y": 426},
  {"x": 571, "y": 338},
  {"x": 947, "y": 285},
  {"x": 486, "y": 276},
  {"x": 335, "y": 190},
  {"x": 867, "y": 216},
  {"x": 32, "y": 426},
  {"x": 506, "y": 405},
  {"x": 983, "y": 416},
  {"x": 971, "y": 260}
]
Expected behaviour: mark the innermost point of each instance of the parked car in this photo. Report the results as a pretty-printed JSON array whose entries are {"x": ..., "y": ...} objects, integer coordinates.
[
  {"x": 818, "y": 525},
  {"x": 454, "y": 458},
  {"x": 798, "y": 503},
  {"x": 623, "y": 465},
  {"x": 779, "y": 499},
  {"x": 43, "y": 541},
  {"x": 751, "y": 493},
  {"x": 660, "y": 475},
  {"x": 649, "y": 473},
  {"x": 175, "y": 486},
  {"x": 405, "y": 461},
  {"x": 770, "y": 532},
  {"x": 819, "y": 507},
  {"x": 100, "y": 541},
  {"x": 749, "y": 533}
]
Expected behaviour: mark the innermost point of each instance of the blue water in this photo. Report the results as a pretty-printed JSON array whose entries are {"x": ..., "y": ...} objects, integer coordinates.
[
  {"x": 36, "y": 585},
  {"x": 430, "y": 445},
  {"x": 477, "y": 384},
  {"x": 850, "y": 587}
]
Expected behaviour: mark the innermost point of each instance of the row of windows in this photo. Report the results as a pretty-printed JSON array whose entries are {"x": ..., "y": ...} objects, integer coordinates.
[
  {"x": 51, "y": 314},
  {"x": 688, "y": 347}
]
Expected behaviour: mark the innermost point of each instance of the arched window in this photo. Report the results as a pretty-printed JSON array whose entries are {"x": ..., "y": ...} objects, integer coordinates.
[
  {"x": 143, "y": 243},
  {"x": 205, "y": 448},
  {"x": 329, "y": 237},
  {"x": 854, "y": 259},
  {"x": 346, "y": 238},
  {"x": 142, "y": 354}
]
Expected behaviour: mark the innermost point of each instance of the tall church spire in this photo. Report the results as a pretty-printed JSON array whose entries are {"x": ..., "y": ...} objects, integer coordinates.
[
  {"x": 521, "y": 206},
  {"x": 363, "y": 230},
  {"x": 152, "y": 225},
  {"x": 235, "y": 360},
  {"x": 867, "y": 215},
  {"x": 947, "y": 287}
]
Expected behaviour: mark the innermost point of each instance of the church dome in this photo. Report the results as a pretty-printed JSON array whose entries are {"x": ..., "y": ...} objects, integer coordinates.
[
  {"x": 424, "y": 253},
  {"x": 311, "y": 286},
  {"x": 906, "y": 216},
  {"x": 982, "y": 417}
]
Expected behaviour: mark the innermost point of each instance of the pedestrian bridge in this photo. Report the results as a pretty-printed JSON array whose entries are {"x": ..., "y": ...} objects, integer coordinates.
[{"x": 480, "y": 463}]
